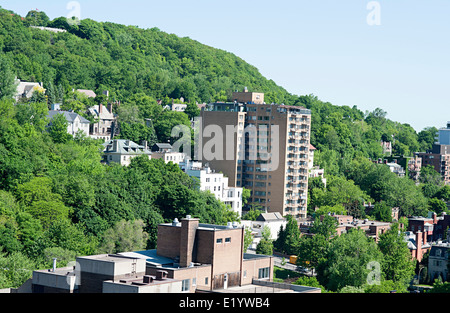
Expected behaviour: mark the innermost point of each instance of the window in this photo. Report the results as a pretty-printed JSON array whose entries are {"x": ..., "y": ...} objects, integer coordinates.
[
  {"x": 219, "y": 240},
  {"x": 185, "y": 284},
  {"x": 206, "y": 280},
  {"x": 194, "y": 281},
  {"x": 263, "y": 272},
  {"x": 228, "y": 239}
]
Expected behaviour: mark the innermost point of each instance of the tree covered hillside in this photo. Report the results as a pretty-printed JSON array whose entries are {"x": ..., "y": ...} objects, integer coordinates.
[
  {"x": 58, "y": 200},
  {"x": 124, "y": 60}
]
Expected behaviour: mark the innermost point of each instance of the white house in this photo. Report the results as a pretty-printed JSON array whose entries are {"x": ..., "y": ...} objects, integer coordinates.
[
  {"x": 216, "y": 183},
  {"x": 75, "y": 121},
  {"x": 26, "y": 89},
  {"x": 122, "y": 151},
  {"x": 164, "y": 151},
  {"x": 273, "y": 221}
]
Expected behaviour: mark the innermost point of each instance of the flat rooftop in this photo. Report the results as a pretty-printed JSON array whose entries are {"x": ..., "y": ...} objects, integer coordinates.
[{"x": 211, "y": 227}]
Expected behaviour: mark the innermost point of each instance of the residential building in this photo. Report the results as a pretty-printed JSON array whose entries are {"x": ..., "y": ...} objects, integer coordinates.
[
  {"x": 414, "y": 166},
  {"x": 88, "y": 93},
  {"x": 438, "y": 261},
  {"x": 271, "y": 221},
  {"x": 443, "y": 135},
  {"x": 216, "y": 183},
  {"x": 26, "y": 89},
  {"x": 396, "y": 169},
  {"x": 424, "y": 231},
  {"x": 315, "y": 171},
  {"x": 122, "y": 151},
  {"x": 439, "y": 158},
  {"x": 373, "y": 229},
  {"x": 263, "y": 147},
  {"x": 179, "y": 107},
  {"x": 164, "y": 151},
  {"x": 417, "y": 244},
  {"x": 387, "y": 147},
  {"x": 439, "y": 155},
  {"x": 105, "y": 122},
  {"x": 75, "y": 122}
]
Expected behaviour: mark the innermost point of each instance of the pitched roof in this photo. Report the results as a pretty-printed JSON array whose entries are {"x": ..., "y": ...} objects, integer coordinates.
[
  {"x": 105, "y": 115},
  {"x": 87, "y": 92},
  {"x": 70, "y": 116},
  {"x": 270, "y": 217},
  {"x": 124, "y": 146}
]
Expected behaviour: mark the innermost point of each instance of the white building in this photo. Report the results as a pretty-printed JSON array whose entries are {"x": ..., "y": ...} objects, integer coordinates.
[
  {"x": 122, "y": 151},
  {"x": 179, "y": 107},
  {"x": 273, "y": 221},
  {"x": 216, "y": 183},
  {"x": 164, "y": 151},
  {"x": 26, "y": 89},
  {"x": 75, "y": 121},
  {"x": 315, "y": 171}
]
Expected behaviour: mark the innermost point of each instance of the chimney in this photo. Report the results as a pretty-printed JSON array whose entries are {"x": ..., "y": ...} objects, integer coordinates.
[
  {"x": 100, "y": 108},
  {"x": 54, "y": 265},
  {"x": 110, "y": 105},
  {"x": 187, "y": 238},
  {"x": 434, "y": 218},
  {"x": 419, "y": 246}
]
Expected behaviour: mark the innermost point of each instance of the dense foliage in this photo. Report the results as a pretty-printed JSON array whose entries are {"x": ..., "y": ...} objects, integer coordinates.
[{"x": 58, "y": 200}]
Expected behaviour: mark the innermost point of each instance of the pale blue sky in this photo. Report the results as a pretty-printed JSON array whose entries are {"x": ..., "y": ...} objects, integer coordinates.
[{"x": 323, "y": 47}]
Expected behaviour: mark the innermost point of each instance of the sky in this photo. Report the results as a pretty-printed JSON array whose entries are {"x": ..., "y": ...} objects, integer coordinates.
[{"x": 388, "y": 54}]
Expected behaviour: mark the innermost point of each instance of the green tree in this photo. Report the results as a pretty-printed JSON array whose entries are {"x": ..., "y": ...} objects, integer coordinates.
[
  {"x": 58, "y": 129},
  {"x": 251, "y": 215},
  {"x": 8, "y": 84},
  {"x": 265, "y": 245},
  {"x": 325, "y": 226},
  {"x": 125, "y": 236},
  {"x": 312, "y": 251},
  {"x": 37, "y": 18},
  {"x": 192, "y": 110},
  {"x": 437, "y": 205},
  {"x": 382, "y": 212},
  {"x": 16, "y": 269},
  {"x": 288, "y": 237},
  {"x": 349, "y": 260},
  {"x": 37, "y": 198},
  {"x": 397, "y": 264},
  {"x": 309, "y": 281}
]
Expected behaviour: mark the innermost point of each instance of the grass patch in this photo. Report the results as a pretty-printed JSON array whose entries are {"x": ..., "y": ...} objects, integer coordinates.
[{"x": 281, "y": 274}]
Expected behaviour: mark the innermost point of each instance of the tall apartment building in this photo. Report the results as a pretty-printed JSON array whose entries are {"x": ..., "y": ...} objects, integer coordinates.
[
  {"x": 439, "y": 155},
  {"x": 262, "y": 147}
]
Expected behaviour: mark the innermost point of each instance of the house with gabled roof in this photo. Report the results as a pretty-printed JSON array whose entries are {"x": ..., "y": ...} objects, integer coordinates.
[
  {"x": 105, "y": 122},
  {"x": 122, "y": 151},
  {"x": 75, "y": 122}
]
